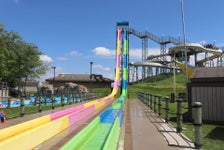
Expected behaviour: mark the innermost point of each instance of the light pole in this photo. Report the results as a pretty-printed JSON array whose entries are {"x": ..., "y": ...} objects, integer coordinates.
[
  {"x": 185, "y": 48},
  {"x": 91, "y": 64}
]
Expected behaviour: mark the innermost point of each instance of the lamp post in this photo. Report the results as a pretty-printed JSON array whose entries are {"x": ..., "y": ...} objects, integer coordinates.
[
  {"x": 91, "y": 64},
  {"x": 185, "y": 48}
]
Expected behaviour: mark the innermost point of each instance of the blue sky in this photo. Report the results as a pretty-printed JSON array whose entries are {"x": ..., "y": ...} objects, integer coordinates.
[{"x": 71, "y": 33}]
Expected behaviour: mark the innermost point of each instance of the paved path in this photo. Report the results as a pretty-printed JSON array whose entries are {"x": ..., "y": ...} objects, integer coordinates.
[{"x": 144, "y": 130}]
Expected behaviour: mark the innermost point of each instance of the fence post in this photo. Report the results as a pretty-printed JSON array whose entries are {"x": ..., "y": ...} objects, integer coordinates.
[
  {"x": 148, "y": 96},
  {"x": 172, "y": 97},
  {"x": 73, "y": 97},
  {"x": 70, "y": 99},
  {"x": 9, "y": 102},
  {"x": 35, "y": 101},
  {"x": 76, "y": 98},
  {"x": 62, "y": 100},
  {"x": 151, "y": 101},
  {"x": 145, "y": 100},
  {"x": 22, "y": 106},
  {"x": 52, "y": 101},
  {"x": 197, "y": 112},
  {"x": 159, "y": 105},
  {"x": 40, "y": 104},
  {"x": 179, "y": 115},
  {"x": 167, "y": 117},
  {"x": 154, "y": 103}
]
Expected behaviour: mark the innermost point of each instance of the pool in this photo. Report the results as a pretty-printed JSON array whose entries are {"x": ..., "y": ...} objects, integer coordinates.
[{"x": 31, "y": 101}]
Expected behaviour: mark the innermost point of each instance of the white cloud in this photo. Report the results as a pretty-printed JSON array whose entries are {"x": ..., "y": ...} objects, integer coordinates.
[
  {"x": 137, "y": 52},
  {"x": 109, "y": 75},
  {"x": 102, "y": 51},
  {"x": 74, "y": 53},
  {"x": 154, "y": 51},
  {"x": 50, "y": 73},
  {"x": 100, "y": 67},
  {"x": 62, "y": 58},
  {"x": 46, "y": 59}
]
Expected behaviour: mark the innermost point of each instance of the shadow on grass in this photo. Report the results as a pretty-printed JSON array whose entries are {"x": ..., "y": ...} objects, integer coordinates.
[{"x": 216, "y": 134}]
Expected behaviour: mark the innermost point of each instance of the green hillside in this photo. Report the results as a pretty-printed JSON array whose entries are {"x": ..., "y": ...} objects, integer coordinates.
[{"x": 159, "y": 85}]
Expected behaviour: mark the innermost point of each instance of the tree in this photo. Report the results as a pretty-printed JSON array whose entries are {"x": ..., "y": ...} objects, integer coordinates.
[{"x": 18, "y": 59}]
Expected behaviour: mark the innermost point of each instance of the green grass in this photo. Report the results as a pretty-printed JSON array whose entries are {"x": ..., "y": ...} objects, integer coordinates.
[
  {"x": 213, "y": 135},
  {"x": 162, "y": 86}
]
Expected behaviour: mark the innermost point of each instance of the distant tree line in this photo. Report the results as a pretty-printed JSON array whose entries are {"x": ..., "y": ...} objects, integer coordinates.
[{"x": 19, "y": 60}]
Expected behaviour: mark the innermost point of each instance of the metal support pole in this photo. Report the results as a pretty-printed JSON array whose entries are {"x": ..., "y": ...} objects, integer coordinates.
[
  {"x": 159, "y": 105},
  {"x": 167, "y": 117},
  {"x": 197, "y": 112},
  {"x": 179, "y": 115}
]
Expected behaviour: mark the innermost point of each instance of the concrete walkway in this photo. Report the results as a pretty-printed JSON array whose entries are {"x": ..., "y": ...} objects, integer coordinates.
[{"x": 144, "y": 130}]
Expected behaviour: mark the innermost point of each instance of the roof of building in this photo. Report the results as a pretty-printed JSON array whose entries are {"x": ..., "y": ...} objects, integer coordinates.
[
  {"x": 80, "y": 78},
  {"x": 208, "y": 74},
  {"x": 32, "y": 83}
]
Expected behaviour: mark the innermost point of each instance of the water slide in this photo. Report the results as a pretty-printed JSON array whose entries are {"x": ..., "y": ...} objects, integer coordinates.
[
  {"x": 195, "y": 48},
  {"x": 103, "y": 132},
  {"x": 30, "y": 134},
  {"x": 192, "y": 48}
]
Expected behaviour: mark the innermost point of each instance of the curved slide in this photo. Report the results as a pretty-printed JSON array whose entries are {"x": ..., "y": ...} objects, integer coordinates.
[
  {"x": 197, "y": 48},
  {"x": 103, "y": 132},
  {"x": 30, "y": 134}
]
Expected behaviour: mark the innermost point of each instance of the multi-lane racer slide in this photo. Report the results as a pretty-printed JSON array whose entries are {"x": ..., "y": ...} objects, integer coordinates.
[
  {"x": 30, "y": 134},
  {"x": 103, "y": 132}
]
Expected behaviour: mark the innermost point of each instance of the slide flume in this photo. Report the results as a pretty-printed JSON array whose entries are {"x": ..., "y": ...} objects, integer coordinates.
[{"x": 103, "y": 132}]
